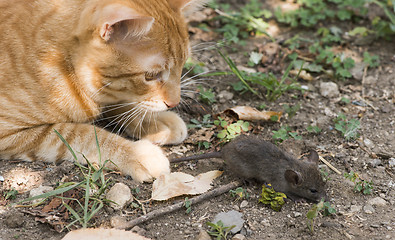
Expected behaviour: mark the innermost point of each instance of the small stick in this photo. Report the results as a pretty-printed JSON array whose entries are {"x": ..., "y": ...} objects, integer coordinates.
[
  {"x": 177, "y": 206},
  {"x": 329, "y": 165}
]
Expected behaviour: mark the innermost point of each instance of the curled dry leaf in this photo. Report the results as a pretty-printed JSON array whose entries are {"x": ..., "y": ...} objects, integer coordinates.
[
  {"x": 303, "y": 74},
  {"x": 252, "y": 114},
  {"x": 179, "y": 183}
]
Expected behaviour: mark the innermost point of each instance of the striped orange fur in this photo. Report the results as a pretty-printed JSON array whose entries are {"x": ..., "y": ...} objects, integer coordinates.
[{"x": 65, "y": 63}]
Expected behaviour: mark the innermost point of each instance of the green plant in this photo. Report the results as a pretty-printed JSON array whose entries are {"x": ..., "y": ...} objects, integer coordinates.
[
  {"x": 345, "y": 100},
  {"x": 194, "y": 67},
  {"x": 270, "y": 197},
  {"x": 322, "y": 207},
  {"x": 218, "y": 230},
  {"x": 204, "y": 144},
  {"x": 187, "y": 205},
  {"x": 291, "y": 110},
  {"x": 205, "y": 123},
  {"x": 239, "y": 193},
  {"x": 230, "y": 131},
  {"x": 348, "y": 128},
  {"x": 206, "y": 95},
  {"x": 92, "y": 186},
  {"x": 284, "y": 133},
  {"x": 361, "y": 185},
  {"x": 313, "y": 129},
  {"x": 10, "y": 194},
  {"x": 371, "y": 60},
  {"x": 325, "y": 175},
  {"x": 238, "y": 25},
  {"x": 274, "y": 87}
]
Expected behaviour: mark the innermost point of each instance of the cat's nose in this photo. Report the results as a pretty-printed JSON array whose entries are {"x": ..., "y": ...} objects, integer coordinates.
[{"x": 171, "y": 104}]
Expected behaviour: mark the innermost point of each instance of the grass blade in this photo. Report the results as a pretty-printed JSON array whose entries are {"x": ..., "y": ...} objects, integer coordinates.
[{"x": 67, "y": 145}]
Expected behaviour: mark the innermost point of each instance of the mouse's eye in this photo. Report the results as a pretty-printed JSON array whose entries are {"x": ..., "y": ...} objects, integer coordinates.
[{"x": 313, "y": 191}]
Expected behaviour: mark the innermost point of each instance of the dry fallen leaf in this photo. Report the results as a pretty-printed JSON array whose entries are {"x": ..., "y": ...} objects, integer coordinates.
[
  {"x": 179, "y": 183},
  {"x": 302, "y": 74},
  {"x": 103, "y": 234},
  {"x": 252, "y": 114}
]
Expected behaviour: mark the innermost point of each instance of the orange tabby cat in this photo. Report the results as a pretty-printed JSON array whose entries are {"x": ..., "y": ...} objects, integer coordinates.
[{"x": 63, "y": 63}]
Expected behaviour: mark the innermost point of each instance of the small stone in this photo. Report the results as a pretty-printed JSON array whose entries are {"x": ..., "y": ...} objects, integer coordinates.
[
  {"x": 1, "y": 178},
  {"x": 238, "y": 237},
  {"x": 297, "y": 214},
  {"x": 120, "y": 194},
  {"x": 243, "y": 204},
  {"x": 203, "y": 235},
  {"x": 38, "y": 191},
  {"x": 15, "y": 220},
  {"x": 357, "y": 70},
  {"x": 229, "y": 219},
  {"x": 225, "y": 96},
  {"x": 370, "y": 80},
  {"x": 119, "y": 222},
  {"x": 377, "y": 201},
  {"x": 375, "y": 162},
  {"x": 368, "y": 143},
  {"x": 391, "y": 162},
  {"x": 355, "y": 208},
  {"x": 329, "y": 89},
  {"x": 368, "y": 209}
]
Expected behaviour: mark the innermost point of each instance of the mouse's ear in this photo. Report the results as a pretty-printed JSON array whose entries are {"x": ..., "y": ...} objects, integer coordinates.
[
  {"x": 313, "y": 157},
  {"x": 293, "y": 177}
]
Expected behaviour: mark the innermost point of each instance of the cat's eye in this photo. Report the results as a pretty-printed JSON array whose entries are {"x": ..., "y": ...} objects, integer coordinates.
[{"x": 151, "y": 76}]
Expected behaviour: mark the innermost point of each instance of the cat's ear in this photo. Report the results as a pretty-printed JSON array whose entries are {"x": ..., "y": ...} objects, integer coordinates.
[
  {"x": 186, "y": 6},
  {"x": 121, "y": 22}
]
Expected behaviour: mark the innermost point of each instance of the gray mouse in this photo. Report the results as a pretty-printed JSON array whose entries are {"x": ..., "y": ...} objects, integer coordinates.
[{"x": 251, "y": 157}]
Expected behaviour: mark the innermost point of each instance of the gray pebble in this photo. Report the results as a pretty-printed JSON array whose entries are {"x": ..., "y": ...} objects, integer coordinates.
[
  {"x": 377, "y": 201},
  {"x": 229, "y": 219},
  {"x": 329, "y": 89},
  {"x": 375, "y": 162},
  {"x": 368, "y": 209}
]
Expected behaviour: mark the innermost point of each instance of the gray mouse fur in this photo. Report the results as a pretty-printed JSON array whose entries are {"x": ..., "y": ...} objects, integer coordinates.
[{"x": 251, "y": 157}]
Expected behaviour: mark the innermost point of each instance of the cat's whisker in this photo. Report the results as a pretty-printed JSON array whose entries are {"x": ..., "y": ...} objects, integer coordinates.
[
  {"x": 195, "y": 76},
  {"x": 99, "y": 90}
]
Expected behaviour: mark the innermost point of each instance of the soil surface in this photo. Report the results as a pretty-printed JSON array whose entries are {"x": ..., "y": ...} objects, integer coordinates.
[{"x": 371, "y": 155}]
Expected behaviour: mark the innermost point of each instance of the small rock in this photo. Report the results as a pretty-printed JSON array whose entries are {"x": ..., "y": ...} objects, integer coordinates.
[
  {"x": 229, "y": 219},
  {"x": 375, "y": 162},
  {"x": 243, "y": 204},
  {"x": 15, "y": 220},
  {"x": 391, "y": 162},
  {"x": 225, "y": 96},
  {"x": 1, "y": 178},
  {"x": 368, "y": 143},
  {"x": 246, "y": 69},
  {"x": 357, "y": 70},
  {"x": 355, "y": 208},
  {"x": 38, "y": 191},
  {"x": 119, "y": 222},
  {"x": 377, "y": 201},
  {"x": 370, "y": 80},
  {"x": 203, "y": 235},
  {"x": 297, "y": 214},
  {"x": 329, "y": 89},
  {"x": 120, "y": 194},
  {"x": 238, "y": 237},
  {"x": 368, "y": 209}
]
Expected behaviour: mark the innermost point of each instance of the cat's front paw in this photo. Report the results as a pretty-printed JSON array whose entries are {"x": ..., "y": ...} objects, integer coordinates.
[
  {"x": 168, "y": 128},
  {"x": 146, "y": 162}
]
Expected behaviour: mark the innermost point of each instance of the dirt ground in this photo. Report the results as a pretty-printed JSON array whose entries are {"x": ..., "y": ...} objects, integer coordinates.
[{"x": 372, "y": 156}]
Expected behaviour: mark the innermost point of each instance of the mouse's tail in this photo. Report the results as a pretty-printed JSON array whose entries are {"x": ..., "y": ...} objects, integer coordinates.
[{"x": 197, "y": 157}]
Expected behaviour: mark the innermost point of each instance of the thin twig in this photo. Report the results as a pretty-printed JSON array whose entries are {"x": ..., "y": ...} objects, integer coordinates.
[
  {"x": 329, "y": 165},
  {"x": 180, "y": 205}
]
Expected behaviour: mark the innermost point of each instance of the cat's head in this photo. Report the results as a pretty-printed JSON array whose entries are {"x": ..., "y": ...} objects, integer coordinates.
[{"x": 133, "y": 50}]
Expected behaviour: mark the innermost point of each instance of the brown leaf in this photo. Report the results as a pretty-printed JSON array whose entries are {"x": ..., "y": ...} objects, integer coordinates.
[
  {"x": 179, "y": 183},
  {"x": 103, "y": 234},
  {"x": 252, "y": 114}
]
